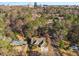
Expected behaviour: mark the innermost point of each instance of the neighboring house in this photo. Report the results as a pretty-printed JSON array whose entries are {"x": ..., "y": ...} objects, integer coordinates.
[
  {"x": 20, "y": 46},
  {"x": 74, "y": 47},
  {"x": 18, "y": 42},
  {"x": 39, "y": 41},
  {"x": 44, "y": 47}
]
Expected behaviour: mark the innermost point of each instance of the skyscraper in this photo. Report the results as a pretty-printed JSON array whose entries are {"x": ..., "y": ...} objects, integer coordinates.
[{"x": 35, "y": 4}]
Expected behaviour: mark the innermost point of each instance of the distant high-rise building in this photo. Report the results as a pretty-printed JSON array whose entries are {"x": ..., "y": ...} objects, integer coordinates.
[{"x": 35, "y": 4}]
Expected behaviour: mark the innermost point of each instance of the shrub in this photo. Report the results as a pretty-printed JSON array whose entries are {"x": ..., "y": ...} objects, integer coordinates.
[{"x": 61, "y": 44}]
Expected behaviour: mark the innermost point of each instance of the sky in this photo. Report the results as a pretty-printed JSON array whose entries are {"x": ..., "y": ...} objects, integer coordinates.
[{"x": 38, "y": 3}]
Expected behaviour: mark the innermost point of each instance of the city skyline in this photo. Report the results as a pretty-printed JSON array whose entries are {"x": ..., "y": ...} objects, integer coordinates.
[{"x": 39, "y": 3}]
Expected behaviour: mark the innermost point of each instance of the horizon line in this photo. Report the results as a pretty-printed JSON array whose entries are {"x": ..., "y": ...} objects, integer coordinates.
[{"x": 39, "y": 3}]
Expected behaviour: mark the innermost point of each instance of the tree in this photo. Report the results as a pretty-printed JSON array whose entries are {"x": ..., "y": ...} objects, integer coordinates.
[
  {"x": 61, "y": 44},
  {"x": 2, "y": 27},
  {"x": 73, "y": 34}
]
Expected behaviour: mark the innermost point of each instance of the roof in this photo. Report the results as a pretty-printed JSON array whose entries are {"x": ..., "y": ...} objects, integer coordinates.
[{"x": 18, "y": 42}]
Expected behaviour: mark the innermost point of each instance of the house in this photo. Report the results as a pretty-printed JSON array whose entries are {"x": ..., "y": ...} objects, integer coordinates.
[
  {"x": 39, "y": 41},
  {"x": 20, "y": 46},
  {"x": 42, "y": 45}
]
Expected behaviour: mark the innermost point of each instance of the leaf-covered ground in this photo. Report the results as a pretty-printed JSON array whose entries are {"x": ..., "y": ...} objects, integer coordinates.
[{"x": 37, "y": 31}]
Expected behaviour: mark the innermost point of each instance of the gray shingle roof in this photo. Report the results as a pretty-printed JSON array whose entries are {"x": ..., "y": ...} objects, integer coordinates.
[{"x": 17, "y": 42}]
